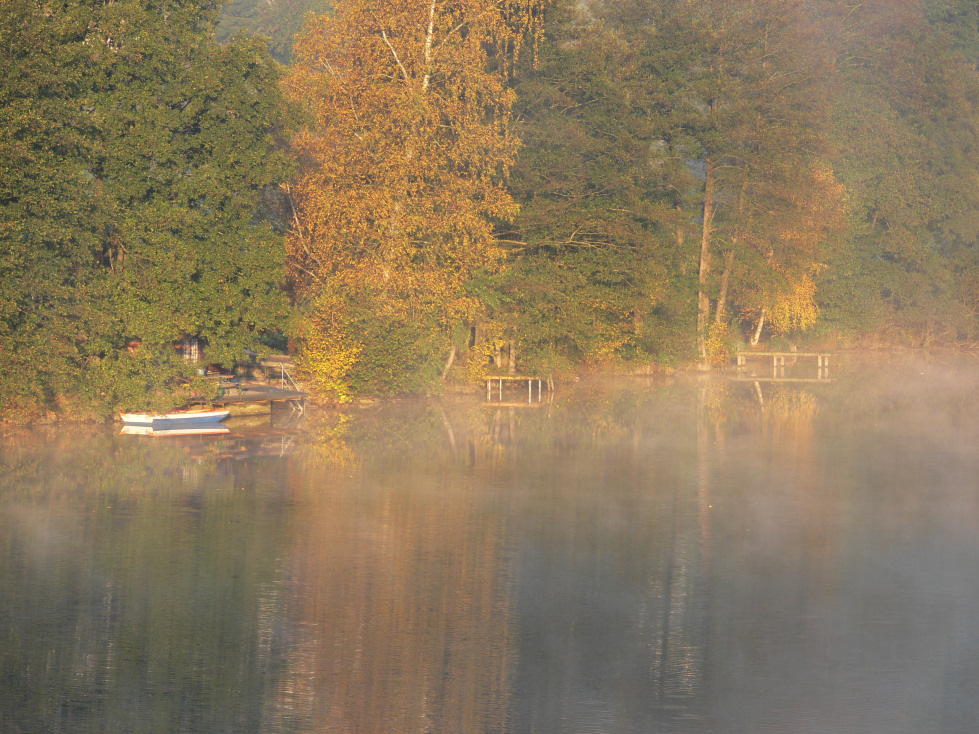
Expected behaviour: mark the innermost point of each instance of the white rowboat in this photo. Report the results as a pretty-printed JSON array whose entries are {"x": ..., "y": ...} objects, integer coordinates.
[{"x": 183, "y": 417}]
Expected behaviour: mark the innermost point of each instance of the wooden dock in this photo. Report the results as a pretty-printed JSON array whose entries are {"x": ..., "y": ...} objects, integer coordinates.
[
  {"x": 778, "y": 361},
  {"x": 766, "y": 380},
  {"x": 531, "y": 380},
  {"x": 778, "y": 358},
  {"x": 261, "y": 381},
  {"x": 237, "y": 393}
]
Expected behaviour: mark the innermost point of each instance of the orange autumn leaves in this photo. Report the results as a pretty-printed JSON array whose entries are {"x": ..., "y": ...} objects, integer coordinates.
[{"x": 402, "y": 169}]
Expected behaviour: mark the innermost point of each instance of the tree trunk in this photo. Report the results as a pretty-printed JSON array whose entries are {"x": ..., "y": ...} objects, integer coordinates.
[
  {"x": 448, "y": 362},
  {"x": 681, "y": 238},
  {"x": 761, "y": 323},
  {"x": 428, "y": 46},
  {"x": 719, "y": 315},
  {"x": 512, "y": 369},
  {"x": 725, "y": 281},
  {"x": 703, "y": 300}
]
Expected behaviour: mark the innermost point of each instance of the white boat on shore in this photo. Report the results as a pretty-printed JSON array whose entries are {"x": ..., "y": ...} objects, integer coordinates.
[{"x": 159, "y": 421}]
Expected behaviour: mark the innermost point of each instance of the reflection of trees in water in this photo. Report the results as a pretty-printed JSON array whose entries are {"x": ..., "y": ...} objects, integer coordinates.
[
  {"x": 678, "y": 558},
  {"x": 776, "y": 550},
  {"x": 127, "y": 583},
  {"x": 324, "y": 445},
  {"x": 639, "y": 520},
  {"x": 610, "y": 542},
  {"x": 400, "y": 610},
  {"x": 610, "y": 566}
]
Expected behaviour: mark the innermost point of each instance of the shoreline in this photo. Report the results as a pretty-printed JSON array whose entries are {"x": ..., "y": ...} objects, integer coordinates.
[{"x": 651, "y": 371}]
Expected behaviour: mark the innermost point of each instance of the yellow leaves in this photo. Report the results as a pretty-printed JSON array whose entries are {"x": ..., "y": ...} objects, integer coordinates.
[
  {"x": 718, "y": 341},
  {"x": 818, "y": 206},
  {"x": 795, "y": 309},
  {"x": 814, "y": 220},
  {"x": 329, "y": 354},
  {"x": 403, "y": 170},
  {"x": 606, "y": 350},
  {"x": 412, "y": 140}
]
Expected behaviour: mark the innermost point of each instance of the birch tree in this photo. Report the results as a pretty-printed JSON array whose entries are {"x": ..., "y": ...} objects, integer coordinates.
[{"x": 403, "y": 171}]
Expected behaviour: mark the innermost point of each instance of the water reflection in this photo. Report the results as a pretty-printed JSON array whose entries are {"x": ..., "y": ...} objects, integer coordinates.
[
  {"x": 400, "y": 608},
  {"x": 127, "y": 598},
  {"x": 682, "y": 556}
]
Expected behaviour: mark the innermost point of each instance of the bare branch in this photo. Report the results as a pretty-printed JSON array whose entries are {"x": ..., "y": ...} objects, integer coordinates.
[
  {"x": 397, "y": 59},
  {"x": 307, "y": 248}
]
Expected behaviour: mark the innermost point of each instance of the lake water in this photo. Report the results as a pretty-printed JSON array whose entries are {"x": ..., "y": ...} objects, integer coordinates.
[{"x": 687, "y": 555}]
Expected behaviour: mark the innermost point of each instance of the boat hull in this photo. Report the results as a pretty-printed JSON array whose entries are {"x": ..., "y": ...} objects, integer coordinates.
[
  {"x": 182, "y": 417},
  {"x": 176, "y": 428}
]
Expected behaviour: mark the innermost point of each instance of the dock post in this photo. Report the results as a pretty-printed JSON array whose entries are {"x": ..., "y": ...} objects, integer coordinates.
[
  {"x": 823, "y": 366},
  {"x": 530, "y": 391},
  {"x": 489, "y": 395}
]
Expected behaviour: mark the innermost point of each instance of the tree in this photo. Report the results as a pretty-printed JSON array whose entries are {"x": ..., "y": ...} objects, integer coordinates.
[
  {"x": 279, "y": 21},
  {"x": 960, "y": 21},
  {"x": 906, "y": 125},
  {"x": 596, "y": 273},
  {"x": 738, "y": 89},
  {"x": 154, "y": 145},
  {"x": 45, "y": 139},
  {"x": 402, "y": 175}
]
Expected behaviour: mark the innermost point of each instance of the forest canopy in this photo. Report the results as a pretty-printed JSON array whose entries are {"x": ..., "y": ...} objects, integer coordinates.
[
  {"x": 134, "y": 150},
  {"x": 419, "y": 191}
]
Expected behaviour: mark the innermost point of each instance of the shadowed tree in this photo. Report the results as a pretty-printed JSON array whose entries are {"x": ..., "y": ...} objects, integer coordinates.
[{"x": 597, "y": 273}]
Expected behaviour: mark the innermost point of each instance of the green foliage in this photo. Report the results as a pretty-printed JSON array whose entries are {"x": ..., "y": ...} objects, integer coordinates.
[
  {"x": 362, "y": 341},
  {"x": 740, "y": 92},
  {"x": 960, "y": 21},
  {"x": 593, "y": 247},
  {"x": 44, "y": 139},
  {"x": 133, "y": 151},
  {"x": 141, "y": 152},
  {"x": 906, "y": 122}
]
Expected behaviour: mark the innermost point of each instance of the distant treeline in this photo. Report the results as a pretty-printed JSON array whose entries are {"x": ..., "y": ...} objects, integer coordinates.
[
  {"x": 413, "y": 191},
  {"x": 278, "y": 21}
]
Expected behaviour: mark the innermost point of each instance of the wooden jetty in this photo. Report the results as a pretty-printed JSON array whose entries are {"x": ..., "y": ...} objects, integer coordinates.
[
  {"x": 260, "y": 381},
  {"x": 531, "y": 381},
  {"x": 781, "y": 379},
  {"x": 779, "y": 359},
  {"x": 239, "y": 392}
]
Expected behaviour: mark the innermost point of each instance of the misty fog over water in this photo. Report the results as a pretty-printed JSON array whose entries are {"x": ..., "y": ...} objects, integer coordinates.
[{"x": 691, "y": 554}]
